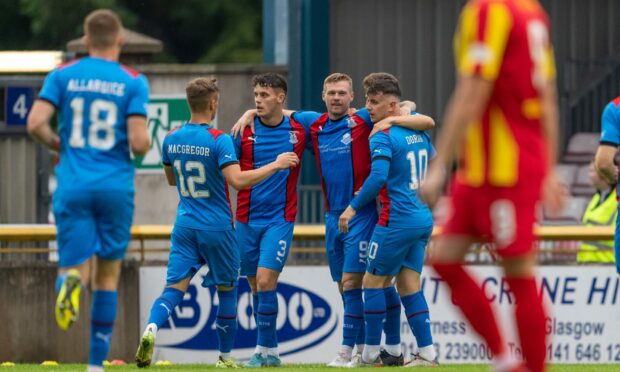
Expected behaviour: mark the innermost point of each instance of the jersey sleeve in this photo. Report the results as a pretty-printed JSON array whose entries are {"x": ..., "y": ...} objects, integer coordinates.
[
  {"x": 51, "y": 90},
  {"x": 139, "y": 98},
  {"x": 237, "y": 145},
  {"x": 225, "y": 151},
  {"x": 480, "y": 41},
  {"x": 305, "y": 118},
  {"x": 610, "y": 124},
  {"x": 371, "y": 187},
  {"x": 380, "y": 146},
  {"x": 365, "y": 115}
]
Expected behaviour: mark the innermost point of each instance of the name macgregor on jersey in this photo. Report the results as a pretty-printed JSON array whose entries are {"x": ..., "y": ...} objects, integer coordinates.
[
  {"x": 188, "y": 149},
  {"x": 96, "y": 86}
]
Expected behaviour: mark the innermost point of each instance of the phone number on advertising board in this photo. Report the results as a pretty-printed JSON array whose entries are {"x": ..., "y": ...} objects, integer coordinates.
[{"x": 556, "y": 352}]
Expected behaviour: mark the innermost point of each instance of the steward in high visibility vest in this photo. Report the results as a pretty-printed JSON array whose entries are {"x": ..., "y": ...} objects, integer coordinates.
[{"x": 602, "y": 211}]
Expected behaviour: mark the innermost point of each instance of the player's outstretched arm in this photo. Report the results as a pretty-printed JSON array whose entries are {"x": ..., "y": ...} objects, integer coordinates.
[
  {"x": 414, "y": 122},
  {"x": 554, "y": 192},
  {"x": 247, "y": 120},
  {"x": 367, "y": 194},
  {"x": 38, "y": 124},
  {"x": 138, "y": 135},
  {"x": 239, "y": 180},
  {"x": 467, "y": 103}
]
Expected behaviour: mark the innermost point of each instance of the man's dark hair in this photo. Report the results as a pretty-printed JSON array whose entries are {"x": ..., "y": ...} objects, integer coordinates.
[
  {"x": 382, "y": 82},
  {"x": 270, "y": 80}
]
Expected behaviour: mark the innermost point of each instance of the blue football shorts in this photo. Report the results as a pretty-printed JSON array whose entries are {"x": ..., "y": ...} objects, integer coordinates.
[
  {"x": 264, "y": 245},
  {"x": 193, "y": 248},
  {"x": 390, "y": 249},
  {"x": 346, "y": 253},
  {"x": 92, "y": 222}
]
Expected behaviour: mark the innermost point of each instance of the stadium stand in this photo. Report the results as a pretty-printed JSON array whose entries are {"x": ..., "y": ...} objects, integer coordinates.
[{"x": 581, "y": 148}]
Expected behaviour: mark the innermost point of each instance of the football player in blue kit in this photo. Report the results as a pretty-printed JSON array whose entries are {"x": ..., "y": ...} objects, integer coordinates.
[
  {"x": 102, "y": 106},
  {"x": 339, "y": 141},
  {"x": 399, "y": 162},
  {"x": 266, "y": 212},
  {"x": 200, "y": 161}
]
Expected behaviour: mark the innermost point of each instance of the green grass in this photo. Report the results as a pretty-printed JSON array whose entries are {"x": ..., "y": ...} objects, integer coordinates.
[{"x": 298, "y": 367}]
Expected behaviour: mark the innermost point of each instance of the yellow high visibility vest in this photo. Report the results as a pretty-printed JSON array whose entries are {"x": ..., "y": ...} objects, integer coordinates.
[{"x": 603, "y": 214}]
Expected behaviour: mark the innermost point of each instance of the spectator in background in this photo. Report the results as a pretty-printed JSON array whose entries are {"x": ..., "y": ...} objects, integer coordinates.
[
  {"x": 602, "y": 211},
  {"x": 606, "y": 152}
]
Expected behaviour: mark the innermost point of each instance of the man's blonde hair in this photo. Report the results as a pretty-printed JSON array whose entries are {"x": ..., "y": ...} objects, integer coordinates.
[
  {"x": 200, "y": 91},
  {"x": 102, "y": 26},
  {"x": 337, "y": 77}
]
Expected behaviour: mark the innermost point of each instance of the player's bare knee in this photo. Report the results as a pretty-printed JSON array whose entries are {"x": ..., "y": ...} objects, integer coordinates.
[
  {"x": 106, "y": 274},
  {"x": 266, "y": 283},
  {"x": 224, "y": 288},
  {"x": 408, "y": 284},
  {"x": 373, "y": 281},
  {"x": 351, "y": 281}
]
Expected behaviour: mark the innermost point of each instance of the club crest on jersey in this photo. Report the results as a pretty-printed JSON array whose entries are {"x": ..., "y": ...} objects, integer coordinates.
[
  {"x": 346, "y": 139},
  {"x": 293, "y": 137},
  {"x": 351, "y": 123}
]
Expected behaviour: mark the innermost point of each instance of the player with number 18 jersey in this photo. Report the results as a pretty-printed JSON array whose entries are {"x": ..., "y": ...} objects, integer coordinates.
[{"x": 93, "y": 203}]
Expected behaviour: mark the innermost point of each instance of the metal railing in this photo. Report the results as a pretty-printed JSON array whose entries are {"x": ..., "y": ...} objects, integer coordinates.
[{"x": 564, "y": 237}]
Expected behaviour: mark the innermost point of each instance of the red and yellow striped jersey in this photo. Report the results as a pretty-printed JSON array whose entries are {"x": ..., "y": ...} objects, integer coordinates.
[{"x": 506, "y": 42}]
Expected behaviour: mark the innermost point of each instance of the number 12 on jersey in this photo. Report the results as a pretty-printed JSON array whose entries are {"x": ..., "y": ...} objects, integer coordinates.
[
  {"x": 192, "y": 180},
  {"x": 418, "y": 160}
]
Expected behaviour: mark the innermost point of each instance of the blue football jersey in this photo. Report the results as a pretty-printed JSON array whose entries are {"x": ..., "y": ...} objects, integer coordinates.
[
  {"x": 275, "y": 198},
  {"x": 610, "y": 123},
  {"x": 341, "y": 152},
  {"x": 198, "y": 153},
  {"x": 94, "y": 97},
  {"x": 409, "y": 152}
]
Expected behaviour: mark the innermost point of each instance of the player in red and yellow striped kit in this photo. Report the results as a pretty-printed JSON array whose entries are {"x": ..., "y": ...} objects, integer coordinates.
[{"x": 503, "y": 118}]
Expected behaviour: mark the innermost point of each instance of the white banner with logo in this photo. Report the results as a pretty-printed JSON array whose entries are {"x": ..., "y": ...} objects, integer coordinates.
[{"x": 584, "y": 321}]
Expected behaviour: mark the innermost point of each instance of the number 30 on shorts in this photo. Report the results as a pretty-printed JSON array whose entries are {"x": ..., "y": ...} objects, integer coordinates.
[{"x": 372, "y": 250}]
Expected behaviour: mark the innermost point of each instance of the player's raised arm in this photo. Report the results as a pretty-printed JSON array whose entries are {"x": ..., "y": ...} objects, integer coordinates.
[
  {"x": 413, "y": 122},
  {"x": 38, "y": 124},
  {"x": 239, "y": 180},
  {"x": 381, "y": 156},
  {"x": 246, "y": 120}
]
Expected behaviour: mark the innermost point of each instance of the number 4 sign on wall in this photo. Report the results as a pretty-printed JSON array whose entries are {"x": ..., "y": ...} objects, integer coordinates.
[{"x": 17, "y": 104}]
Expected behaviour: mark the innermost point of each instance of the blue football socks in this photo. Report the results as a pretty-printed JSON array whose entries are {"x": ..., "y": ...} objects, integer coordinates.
[
  {"x": 103, "y": 314},
  {"x": 353, "y": 316},
  {"x": 164, "y": 306},
  {"x": 266, "y": 318},
  {"x": 416, "y": 310},
  {"x": 226, "y": 319}
]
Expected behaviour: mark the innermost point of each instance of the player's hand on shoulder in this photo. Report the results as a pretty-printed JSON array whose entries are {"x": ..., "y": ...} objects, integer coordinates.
[
  {"x": 381, "y": 125},
  {"x": 407, "y": 107},
  {"x": 286, "y": 160},
  {"x": 555, "y": 194},
  {"x": 352, "y": 110},
  {"x": 246, "y": 120}
]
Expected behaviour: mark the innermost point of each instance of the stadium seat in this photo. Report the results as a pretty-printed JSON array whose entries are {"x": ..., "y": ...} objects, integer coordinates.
[
  {"x": 570, "y": 215},
  {"x": 581, "y": 148},
  {"x": 582, "y": 185},
  {"x": 566, "y": 173}
]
